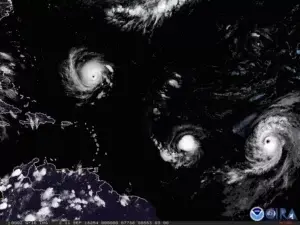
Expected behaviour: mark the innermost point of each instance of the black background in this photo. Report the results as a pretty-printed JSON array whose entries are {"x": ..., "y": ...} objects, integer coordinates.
[{"x": 189, "y": 42}]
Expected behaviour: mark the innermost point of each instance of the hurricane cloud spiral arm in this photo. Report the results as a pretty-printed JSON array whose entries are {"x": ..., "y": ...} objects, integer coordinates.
[
  {"x": 84, "y": 73},
  {"x": 192, "y": 109},
  {"x": 271, "y": 157}
]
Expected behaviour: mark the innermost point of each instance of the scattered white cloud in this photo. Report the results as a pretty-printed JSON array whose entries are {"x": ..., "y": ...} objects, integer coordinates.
[
  {"x": 30, "y": 218},
  {"x": 16, "y": 173},
  {"x": 3, "y": 206},
  {"x": 48, "y": 194},
  {"x": 145, "y": 15},
  {"x": 39, "y": 174},
  {"x": 99, "y": 201},
  {"x": 124, "y": 200}
]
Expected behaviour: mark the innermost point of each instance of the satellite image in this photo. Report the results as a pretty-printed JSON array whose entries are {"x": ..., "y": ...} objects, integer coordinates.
[{"x": 170, "y": 110}]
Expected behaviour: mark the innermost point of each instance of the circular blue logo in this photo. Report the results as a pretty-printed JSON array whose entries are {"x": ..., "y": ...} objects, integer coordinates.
[
  {"x": 270, "y": 214},
  {"x": 257, "y": 214}
]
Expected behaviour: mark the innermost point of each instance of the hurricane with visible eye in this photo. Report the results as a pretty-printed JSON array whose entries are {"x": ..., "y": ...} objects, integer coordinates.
[
  {"x": 86, "y": 74},
  {"x": 272, "y": 159},
  {"x": 264, "y": 147}
]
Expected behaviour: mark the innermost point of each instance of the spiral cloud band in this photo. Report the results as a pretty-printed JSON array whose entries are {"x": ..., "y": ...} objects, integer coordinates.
[
  {"x": 272, "y": 157},
  {"x": 86, "y": 73},
  {"x": 183, "y": 146}
]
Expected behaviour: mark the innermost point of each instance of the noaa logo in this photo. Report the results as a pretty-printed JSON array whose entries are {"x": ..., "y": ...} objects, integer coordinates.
[
  {"x": 257, "y": 214},
  {"x": 271, "y": 214}
]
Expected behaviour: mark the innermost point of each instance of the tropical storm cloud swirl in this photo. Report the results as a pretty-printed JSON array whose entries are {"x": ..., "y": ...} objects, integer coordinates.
[
  {"x": 177, "y": 138},
  {"x": 242, "y": 110},
  {"x": 272, "y": 157},
  {"x": 86, "y": 74},
  {"x": 206, "y": 73},
  {"x": 183, "y": 147}
]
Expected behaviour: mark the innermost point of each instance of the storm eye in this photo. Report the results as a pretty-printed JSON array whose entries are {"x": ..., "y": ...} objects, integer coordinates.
[
  {"x": 92, "y": 74},
  {"x": 86, "y": 72},
  {"x": 271, "y": 144},
  {"x": 264, "y": 147}
]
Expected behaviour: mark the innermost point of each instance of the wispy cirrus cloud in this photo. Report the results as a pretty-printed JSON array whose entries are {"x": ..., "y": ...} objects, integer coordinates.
[{"x": 146, "y": 15}]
